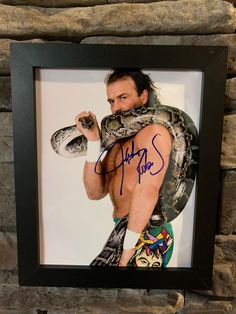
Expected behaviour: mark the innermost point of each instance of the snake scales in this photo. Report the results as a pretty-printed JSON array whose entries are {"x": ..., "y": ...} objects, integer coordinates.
[{"x": 180, "y": 175}]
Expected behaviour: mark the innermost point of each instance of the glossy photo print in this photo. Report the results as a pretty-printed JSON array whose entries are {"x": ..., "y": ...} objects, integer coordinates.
[
  {"x": 141, "y": 177},
  {"x": 120, "y": 180}
]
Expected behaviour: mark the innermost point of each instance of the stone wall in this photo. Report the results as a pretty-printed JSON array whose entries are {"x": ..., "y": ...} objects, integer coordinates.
[{"x": 183, "y": 22}]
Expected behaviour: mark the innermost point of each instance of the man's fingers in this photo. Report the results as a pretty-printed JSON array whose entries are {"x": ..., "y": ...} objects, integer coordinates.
[
  {"x": 86, "y": 123},
  {"x": 79, "y": 122},
  {"x": 92, "y": 115},
  {"x": 81, "y": 114}
]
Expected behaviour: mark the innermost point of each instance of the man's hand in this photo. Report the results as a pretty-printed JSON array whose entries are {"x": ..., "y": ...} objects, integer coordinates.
[
  {"x": 92, "y": 134},
  {"x": 126, "y": 256}
]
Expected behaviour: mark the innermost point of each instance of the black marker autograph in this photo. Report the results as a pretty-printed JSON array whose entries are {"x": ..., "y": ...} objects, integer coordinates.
[{"x": 128, "y": 156}]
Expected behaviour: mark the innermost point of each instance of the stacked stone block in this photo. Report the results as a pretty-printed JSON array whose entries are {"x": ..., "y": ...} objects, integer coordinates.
[{"x": 180, "y": 22}]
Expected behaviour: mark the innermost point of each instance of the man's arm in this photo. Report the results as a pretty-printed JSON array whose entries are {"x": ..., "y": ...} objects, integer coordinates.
[
  {"x": 157, "y": 141},
  {"x": 95, "y": 184}
]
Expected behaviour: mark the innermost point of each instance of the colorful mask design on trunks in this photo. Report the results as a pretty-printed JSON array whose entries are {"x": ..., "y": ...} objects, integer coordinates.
[{"x": 154, "y": 247}]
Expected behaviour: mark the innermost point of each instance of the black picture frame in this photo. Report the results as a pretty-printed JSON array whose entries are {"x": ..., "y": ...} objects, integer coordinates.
[{"x": 25, "y": 59}]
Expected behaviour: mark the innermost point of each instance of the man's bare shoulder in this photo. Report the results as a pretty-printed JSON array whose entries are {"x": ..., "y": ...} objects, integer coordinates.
[{"x": 147, "y": 134}]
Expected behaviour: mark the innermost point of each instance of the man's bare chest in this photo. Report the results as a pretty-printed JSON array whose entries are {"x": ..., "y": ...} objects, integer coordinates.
[{"x": 118, "y": 157}]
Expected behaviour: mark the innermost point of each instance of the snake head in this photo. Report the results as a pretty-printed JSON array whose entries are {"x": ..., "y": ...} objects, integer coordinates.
[{"x": 86, "y": 122}]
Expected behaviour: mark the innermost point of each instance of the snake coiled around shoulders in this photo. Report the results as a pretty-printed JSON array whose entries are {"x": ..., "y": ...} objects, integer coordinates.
[{"x": 180, "y": 175}]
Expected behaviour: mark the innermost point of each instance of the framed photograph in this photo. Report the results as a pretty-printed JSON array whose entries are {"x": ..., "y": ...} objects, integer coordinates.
[{"x": 117, "y": 154}]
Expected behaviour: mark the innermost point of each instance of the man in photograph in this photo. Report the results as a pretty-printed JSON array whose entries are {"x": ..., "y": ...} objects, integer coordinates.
[{"x": 133, "y": 169}]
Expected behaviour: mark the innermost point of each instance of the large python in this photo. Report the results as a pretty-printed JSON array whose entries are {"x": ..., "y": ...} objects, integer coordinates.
[{"x": 180, "y": 175}]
